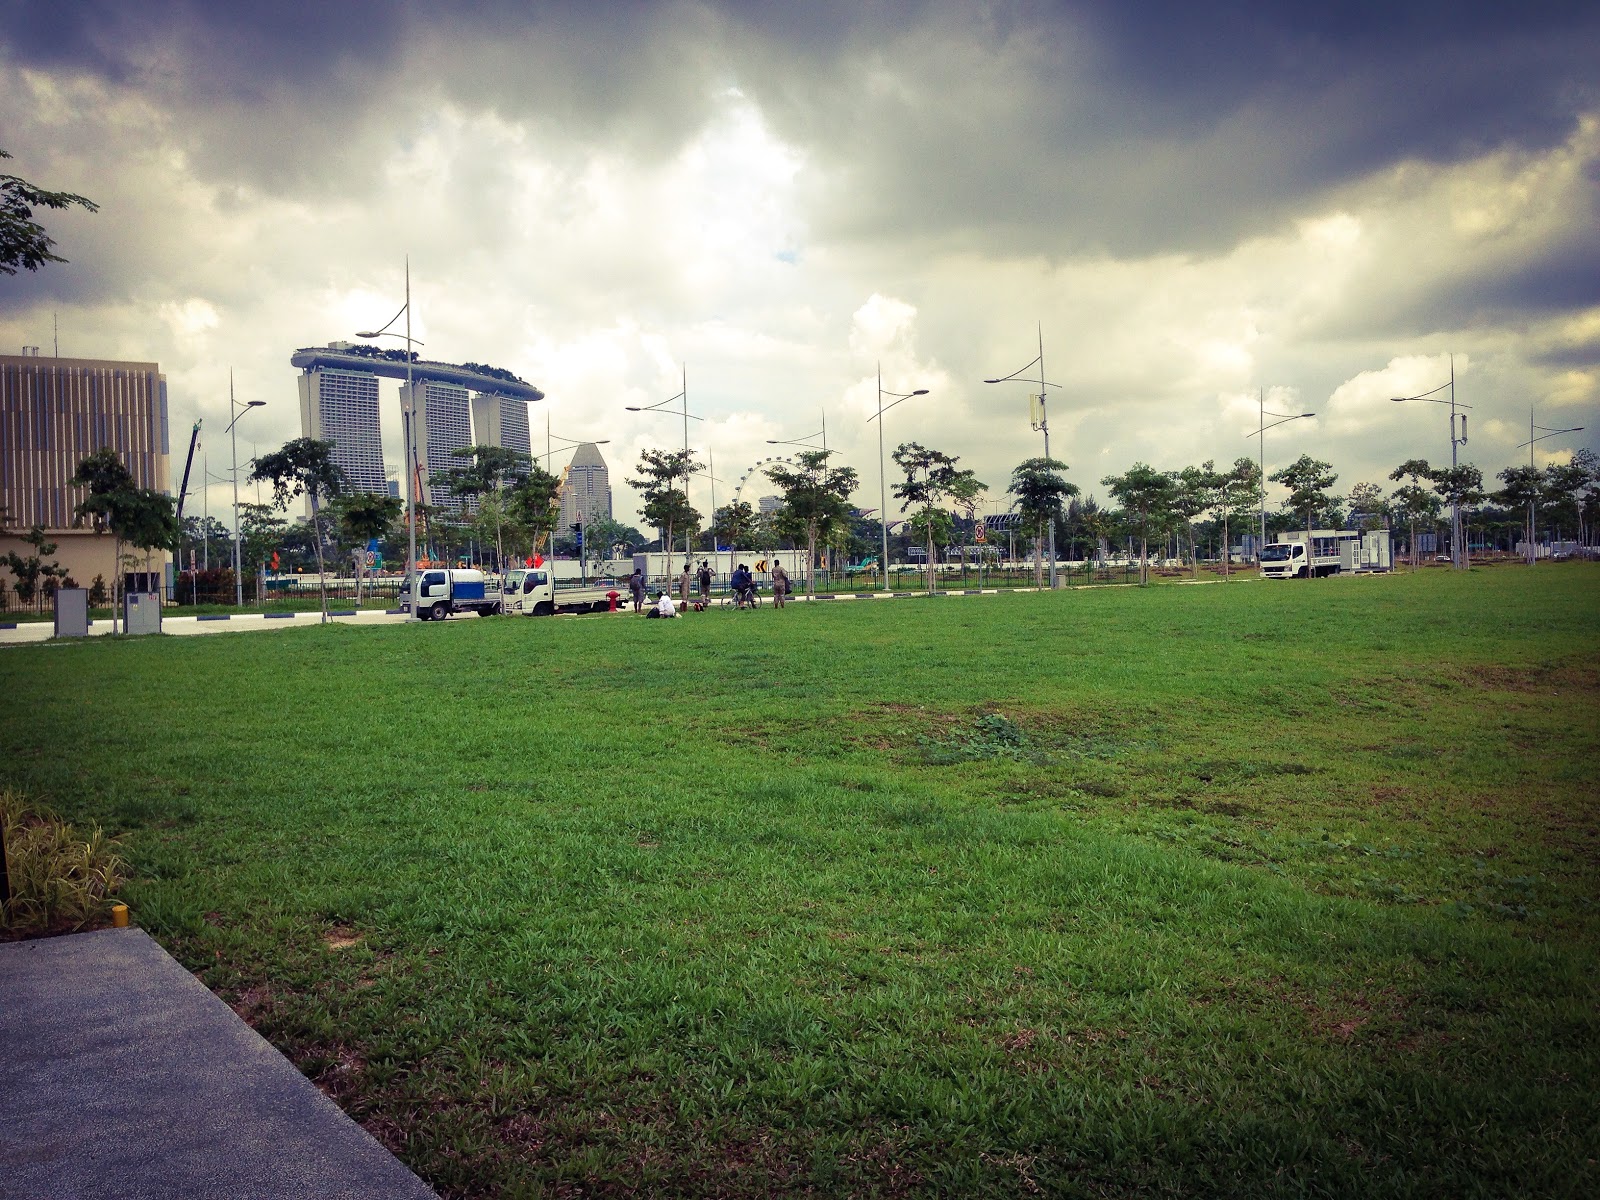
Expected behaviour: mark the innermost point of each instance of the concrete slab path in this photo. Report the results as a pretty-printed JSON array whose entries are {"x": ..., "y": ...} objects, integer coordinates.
[{"x": 123, "y": 1078}]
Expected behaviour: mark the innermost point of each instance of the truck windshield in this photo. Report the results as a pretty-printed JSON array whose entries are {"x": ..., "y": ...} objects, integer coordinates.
[{"x": 1276, "y": 553}]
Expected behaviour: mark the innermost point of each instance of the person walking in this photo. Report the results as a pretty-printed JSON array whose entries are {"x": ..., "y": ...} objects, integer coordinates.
[
  {"x": 780, "y": 584},
  {"x": 636, "y": 588},
  {"x": 703, "y": 578}
]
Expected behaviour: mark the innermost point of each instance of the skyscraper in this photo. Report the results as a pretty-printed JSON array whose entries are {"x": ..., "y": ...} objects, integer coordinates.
[
  {"x": 341, "y": 406},
  {"x": 586, "y": 495},
  {"x": 501, "y": 421},
  {"x": 55, "y": 412},
  {"x": 442, "y": 425}
]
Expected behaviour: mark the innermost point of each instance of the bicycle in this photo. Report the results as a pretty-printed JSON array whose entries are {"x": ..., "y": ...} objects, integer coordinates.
[{"x": 732, "y": 601}]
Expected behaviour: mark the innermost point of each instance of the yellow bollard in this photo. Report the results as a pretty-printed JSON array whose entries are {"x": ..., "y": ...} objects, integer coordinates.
[{"x": 119, "y": 916}]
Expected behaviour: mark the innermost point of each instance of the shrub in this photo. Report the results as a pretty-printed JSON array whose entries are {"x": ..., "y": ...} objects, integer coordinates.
[{"x": 60, "y": 881}]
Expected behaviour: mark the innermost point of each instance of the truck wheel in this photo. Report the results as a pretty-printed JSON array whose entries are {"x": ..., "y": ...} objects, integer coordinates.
[
  {"x": 543, "y": 609},
  {"x": 439, "y": 611},
  {"x": 496, "y": 609}
]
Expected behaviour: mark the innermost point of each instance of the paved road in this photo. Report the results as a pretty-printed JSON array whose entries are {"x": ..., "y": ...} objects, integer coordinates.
[{"x": 122, "y": 1076}]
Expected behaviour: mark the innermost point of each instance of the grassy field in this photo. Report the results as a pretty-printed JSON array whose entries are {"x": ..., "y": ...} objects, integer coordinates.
[{"x": 1270, "y": 889}]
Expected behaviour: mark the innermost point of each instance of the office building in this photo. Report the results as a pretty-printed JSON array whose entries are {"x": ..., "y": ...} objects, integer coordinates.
[
  {"x": 54, "y": 413},
  {"x": 341, "y": 406},
  {"x": 586, "y": 494}
]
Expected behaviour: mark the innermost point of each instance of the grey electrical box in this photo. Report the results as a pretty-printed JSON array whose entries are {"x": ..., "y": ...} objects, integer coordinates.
[
  {"x": 72, "y": 612},
  {"x": 142, "y": 612}
]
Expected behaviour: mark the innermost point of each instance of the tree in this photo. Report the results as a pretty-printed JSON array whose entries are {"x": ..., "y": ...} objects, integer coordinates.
[
  {"x": 665, "y": 505},
  {"x": 304, "y": 467},
  {"x": 28, "y": 573},
  {"x": 532, "y": 506},
  {"x": 23, "y": 241},
  {"x": 1462, "y": 487},
  {"x": 1524, "y": 488},
  {"x": 487, "y": 472},
  {"x": 1039, "y": 487},
  {"x": 260, "y": 536},
  {"x": 1238, "y": 491},
  {"x": 1308, "y": 481},
  {"x": 1194, "y": 491},
  {"x": 816, "y": 499},
  {"x": 139, "y": 516},
  {"x": 1567, "y": 486},
  {"x": 1146, "y": 496},
  {"x": 931, "y": 481},
  {"x": 364, "y": 517},
  {"x": 735, "y": 525},
  {"x": 602, "y": 535},
  {"x": 1415, "y": 501}
]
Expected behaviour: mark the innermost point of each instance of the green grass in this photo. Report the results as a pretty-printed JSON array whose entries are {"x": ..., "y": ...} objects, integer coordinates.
[{"x": 1280, "y": 889}]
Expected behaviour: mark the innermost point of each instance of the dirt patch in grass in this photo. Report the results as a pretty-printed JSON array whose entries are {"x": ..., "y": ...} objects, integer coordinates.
[{"x": 341, "y": 937}]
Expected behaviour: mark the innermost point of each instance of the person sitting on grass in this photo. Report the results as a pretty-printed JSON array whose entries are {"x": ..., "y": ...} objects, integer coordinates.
[{"x": 663, "y": 607}]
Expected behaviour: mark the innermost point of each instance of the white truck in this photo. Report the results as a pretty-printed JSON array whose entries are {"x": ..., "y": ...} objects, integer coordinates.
[
  {"x": 1329, "y": 552},
  {"x": 532, "y": 592},
  {"x": 444, "y": 591}
]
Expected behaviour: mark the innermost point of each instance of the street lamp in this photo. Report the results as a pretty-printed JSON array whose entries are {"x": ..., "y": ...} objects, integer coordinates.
[
  {"x": 1043, "y": 425},
  {"x": 1537, "y": 433},
  {"x": 883, "y": 494},
  {"x": 687, "y": 417},
  {"x": 238, "y": 579},
  {"x": 1261, "y": 453},
  {"x": 405, "y": 425},
  {"x": 1456, "y": 556}
]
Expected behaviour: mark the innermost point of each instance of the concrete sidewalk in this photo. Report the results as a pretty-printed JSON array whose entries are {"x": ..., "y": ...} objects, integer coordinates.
[{"x": 121, "y": 1076}]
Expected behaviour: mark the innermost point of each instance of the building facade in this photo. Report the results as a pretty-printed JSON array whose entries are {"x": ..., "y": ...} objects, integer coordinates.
[
  {"x": 54, "y": 412},
  {"x": 586, "y": 494},
  {"x": 341, "y": 406},
  {"x": 501, "y": 421},
  {"x": 441, "y": 425}
]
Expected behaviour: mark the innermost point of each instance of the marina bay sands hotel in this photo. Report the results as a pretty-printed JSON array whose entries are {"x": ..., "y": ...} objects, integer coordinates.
[{"x": 452, "y": 407}]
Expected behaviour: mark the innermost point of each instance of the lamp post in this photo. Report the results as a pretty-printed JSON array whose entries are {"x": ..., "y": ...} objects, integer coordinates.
[
  {"x": 1261, "y": 455},
  {"x": 1457, "y": 558},
  {"x": 883, "y": 493},
  {"x": 1043, "y": 425},
  {"x": 687, "y": 417},
  {"x": 1537, "y": 433},
  {"x": 405, "y": 426},
  {"x": 233, "y": 437}
]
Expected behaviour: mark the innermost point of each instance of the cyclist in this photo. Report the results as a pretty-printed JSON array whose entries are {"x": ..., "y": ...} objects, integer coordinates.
[{"x": 744, "y": 587}]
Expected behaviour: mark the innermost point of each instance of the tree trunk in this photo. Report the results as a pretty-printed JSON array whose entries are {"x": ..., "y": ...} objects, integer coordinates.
[
  {"x": 1227, "y": 549},
  {"x": 1038, "y": 555},
  {"x": 933, "y": 580},
  {"x": 316, "y": 543},
  {"x": 116, "y": 581}
]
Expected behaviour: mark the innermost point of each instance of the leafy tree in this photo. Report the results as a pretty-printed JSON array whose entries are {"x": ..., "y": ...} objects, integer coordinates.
[
  {"x": 138, "y": 516},
  {"x": 1462, "y": 487},
  {"x": 602, "y": 535},
  {"x": 201, "y": 533},
  {"x": 23, "y": 241},
  {"x": 1368, "y": 500},
  {"x": 1194, "y": 491},
  {"x": 533, "y": 506},
  {"x": 666, "y": 506},
  {"x": 735, "y": 524},
  {"x": 260, "y": 536},
  {"x": 363, "y": 517},
  {"x": 931, "y": 481},
  {"x": 304, "y": 467},
  {"x": 816, "y": 499},
  {"x": 1308, "y": 480},
  {"x": 489, "y": 469},
  {"x": 1568, "y": 485},
  {"x": 1238, "y": 491},
  {"x": 1146, "y": 496},
  {"x": 28, "y": 573},
  {"x": 1039, "y": 486},
  {"x": 1523, "y": 490},
  {"x": 1416, "y": 501}
]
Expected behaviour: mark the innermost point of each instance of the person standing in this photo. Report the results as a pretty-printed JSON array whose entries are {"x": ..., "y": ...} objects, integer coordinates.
[
  {"x": 683, "y": 588},
  {"x": 703, "y": 578},
  {"x": 636, "y": 588},
  {"x": 780, "y": 585}
]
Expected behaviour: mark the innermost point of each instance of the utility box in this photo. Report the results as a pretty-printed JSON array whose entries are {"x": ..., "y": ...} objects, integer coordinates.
[
  {"x": 142, "y": 612},
  {"x": 72, "y": 612}
]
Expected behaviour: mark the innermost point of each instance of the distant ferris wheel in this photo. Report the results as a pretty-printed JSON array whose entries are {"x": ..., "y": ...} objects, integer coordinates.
[{"x": 759, "y": 470}]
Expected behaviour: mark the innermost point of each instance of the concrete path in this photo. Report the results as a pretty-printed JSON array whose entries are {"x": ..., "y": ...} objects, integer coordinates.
[{"x": 123, "y": 1078}]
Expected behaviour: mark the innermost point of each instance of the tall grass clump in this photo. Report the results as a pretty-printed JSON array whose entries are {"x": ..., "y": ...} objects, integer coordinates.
[{"x": 60, "y": 880}]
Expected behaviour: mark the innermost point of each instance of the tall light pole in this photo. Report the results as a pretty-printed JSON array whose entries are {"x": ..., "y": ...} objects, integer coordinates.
[
  {"x": 405, "y": 425},
  {"x": 1043, "y": 425},
  {"x": 883, "y": 492},
  {"x": 238, "y": 579},
  {"x": 1457, "y": 557},
  {"x": 687, "y": 417},
  {"x": 1537, "y": 433},
  {"x": 1261, "y": 455}
]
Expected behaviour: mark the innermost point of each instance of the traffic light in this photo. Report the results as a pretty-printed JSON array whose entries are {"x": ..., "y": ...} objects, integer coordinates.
[{"x": 577, "y": 532}]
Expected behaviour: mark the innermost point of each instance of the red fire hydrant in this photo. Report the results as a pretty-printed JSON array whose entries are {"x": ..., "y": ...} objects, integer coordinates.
[{"x": 613, "y": 596}]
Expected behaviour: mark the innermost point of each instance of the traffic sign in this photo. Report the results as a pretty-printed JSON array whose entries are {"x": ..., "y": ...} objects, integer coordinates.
[{"x": 980, "y": 533}]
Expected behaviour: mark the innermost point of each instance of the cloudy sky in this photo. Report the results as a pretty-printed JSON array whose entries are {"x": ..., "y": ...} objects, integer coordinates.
[{"x": 1192, "y": 202}]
